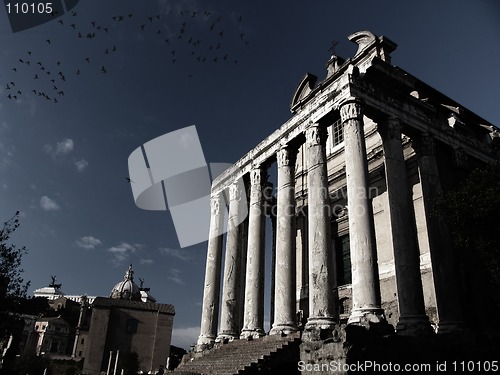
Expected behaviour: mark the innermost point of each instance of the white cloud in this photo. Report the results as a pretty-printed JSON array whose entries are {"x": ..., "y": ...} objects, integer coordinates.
[
  {"x": 48, "y": 204},
  {"x": 175, "y": 276},
  {"x": 81, "y": 165},
  {"x": 61, "y": 148},
  {"x": 65, "y": 146},
  {"x": 146, "y": 261},
  {"x": 185, "y": 337},
  {"x": 122, "y": 252},
  {"x": 88, "y": 242},
  {"x": 176, "y": 253}
]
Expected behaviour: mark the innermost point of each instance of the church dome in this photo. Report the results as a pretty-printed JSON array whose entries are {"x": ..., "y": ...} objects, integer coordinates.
[{"x": 127, "y": 289}]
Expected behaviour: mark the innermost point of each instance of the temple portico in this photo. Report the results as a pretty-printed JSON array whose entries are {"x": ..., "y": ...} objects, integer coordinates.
[{"x": 353, "y": 238}]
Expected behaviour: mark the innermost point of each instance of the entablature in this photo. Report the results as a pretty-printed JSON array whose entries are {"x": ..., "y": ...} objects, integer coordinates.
[{"x": 385, "y": 91}]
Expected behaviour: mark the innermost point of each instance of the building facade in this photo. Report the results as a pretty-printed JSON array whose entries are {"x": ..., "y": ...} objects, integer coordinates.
[
  {"x": 53, "y": 336},
  {"x": 129, "y": 322},
  {"x": 359, "y": 165}
]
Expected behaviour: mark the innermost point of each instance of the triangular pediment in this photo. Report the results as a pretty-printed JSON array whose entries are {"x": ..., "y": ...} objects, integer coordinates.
[{"x": 304, "y": 88}]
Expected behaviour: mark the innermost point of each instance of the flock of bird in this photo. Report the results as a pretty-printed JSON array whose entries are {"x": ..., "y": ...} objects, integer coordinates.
[{"x": 196, "y": 35}]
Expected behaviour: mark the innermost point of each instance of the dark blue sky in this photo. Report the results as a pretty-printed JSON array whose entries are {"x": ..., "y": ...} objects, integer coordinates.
[{"x": 63, "y": 165}]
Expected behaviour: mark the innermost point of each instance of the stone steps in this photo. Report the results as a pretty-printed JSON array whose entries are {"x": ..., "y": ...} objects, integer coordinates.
[{"x": 240, "y": 356}]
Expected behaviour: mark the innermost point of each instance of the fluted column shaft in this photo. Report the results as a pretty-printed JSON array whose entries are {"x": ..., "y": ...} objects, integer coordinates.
[
  {"x": 210, "y": 309},
  {"x": 444, "y": 265},
  {"x": 285, "y": 284},
  {"x": 253, "y": 323},
  {"x": 412, "y": 318},
  {"x": 365, "y": 280},
  {"x": 321, "y": 261},
  {"x": 231, "y": 301}
]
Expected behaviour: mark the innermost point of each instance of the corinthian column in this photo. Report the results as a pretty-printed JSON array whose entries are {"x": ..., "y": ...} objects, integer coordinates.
[
  {"x": 412, "y": 318},
  {"x": 253, "y": 322},
  {"x": 285, "y": 289},
  {"x": 365, "y": 280},
  {"x": 210, "y": 309},
  {"x": 444, "y": 265},
  {"x": 231, "y": 301},
  {"x": 321, "y": 261}
]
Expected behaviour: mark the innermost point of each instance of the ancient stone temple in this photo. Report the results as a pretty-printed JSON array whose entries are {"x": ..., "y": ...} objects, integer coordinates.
[{"x": 356, "y": 247}]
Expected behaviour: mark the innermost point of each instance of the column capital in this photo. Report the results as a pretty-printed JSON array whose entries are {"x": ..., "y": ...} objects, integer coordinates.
[
  {"x": 235, "y": 191},
  {"x": 390, "y": 128},
  {"x": 285, "y": 156},
  {"x": 215, "y": 202},
  {"x": 315, "y": 135},
  {"x": 424, "y": 145},
  {"x": 351, "y": 109},
  {"x": 257, "y": 176}
]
